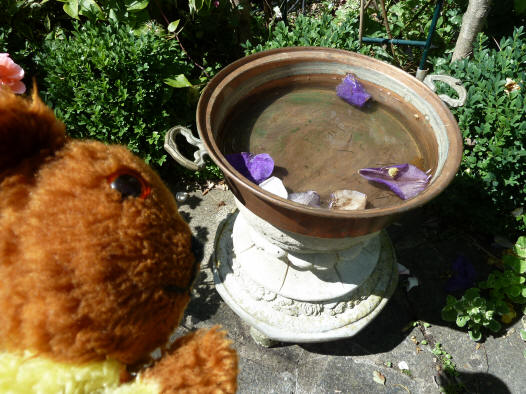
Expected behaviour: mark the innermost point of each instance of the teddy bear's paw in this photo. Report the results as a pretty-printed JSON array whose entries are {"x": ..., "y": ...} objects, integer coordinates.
[{"x": 200, "y": 362}]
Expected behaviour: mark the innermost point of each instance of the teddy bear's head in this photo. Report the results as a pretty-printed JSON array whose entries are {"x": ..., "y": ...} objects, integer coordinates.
[{"x": 95, "y": 260}]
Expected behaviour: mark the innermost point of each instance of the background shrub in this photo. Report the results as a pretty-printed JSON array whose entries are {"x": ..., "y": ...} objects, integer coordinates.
[
  {"x": 338, "y": 28},
  {"x": 106, "y": 83},
  {"x": 24, "y": 25},
  {"x": 492, "y": 178},
  {"x": 324, "y": 30}
]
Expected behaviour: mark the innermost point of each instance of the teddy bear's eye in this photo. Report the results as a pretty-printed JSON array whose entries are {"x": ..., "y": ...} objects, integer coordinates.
[{"x": 129, "y": 184}]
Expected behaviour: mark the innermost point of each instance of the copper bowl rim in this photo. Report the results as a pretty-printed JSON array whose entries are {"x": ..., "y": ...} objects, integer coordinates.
[{"x": 437, "y": 185}]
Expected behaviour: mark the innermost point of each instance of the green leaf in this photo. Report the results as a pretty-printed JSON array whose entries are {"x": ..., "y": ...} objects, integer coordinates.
[
  {"x": 72, "y": 8},
  {"x": 195, "y": 5},
  {"x": 450, "y": 300},
  {"x": 523, "y": 334},
  {"x": 520, "y": 6},
  {"x": 475, "y": 335},
  {"x": 179, "y": 81},
  {"x": 88, "y": 7},
  {"x": 514, "y": 291},
  {"x": 471, "y": 293},
  {"x": 502, "y": 307},
  {"x": 173, "y": 26},
  {"x": 479, "y": 302},
  {"x": 462, "y": 320},
  {"x": 136, "y": 5},
  {"x": 449, "y": 313},
  {"x": 494, "y": 325},
  {"x": 520, "y": 246}
]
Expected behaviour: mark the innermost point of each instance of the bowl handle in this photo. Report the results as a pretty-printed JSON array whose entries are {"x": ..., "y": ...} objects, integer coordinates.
[
  {"x": 456, "y": 84},
  {"x": 171, "y": 147}
]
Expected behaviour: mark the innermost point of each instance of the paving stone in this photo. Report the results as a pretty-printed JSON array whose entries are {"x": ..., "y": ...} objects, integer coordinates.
[{"x": 347, "y": 366}]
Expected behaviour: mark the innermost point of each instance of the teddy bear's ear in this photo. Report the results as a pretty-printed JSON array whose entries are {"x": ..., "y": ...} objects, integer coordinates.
[{"x": 27, "y": 127}]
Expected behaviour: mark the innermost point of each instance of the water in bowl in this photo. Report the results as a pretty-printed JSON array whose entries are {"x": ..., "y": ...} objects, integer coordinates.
[{"x": 319, "y": 142}]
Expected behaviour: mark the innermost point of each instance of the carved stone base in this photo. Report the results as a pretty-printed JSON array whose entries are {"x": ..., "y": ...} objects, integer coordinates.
[{"x": 301, "y": 291}]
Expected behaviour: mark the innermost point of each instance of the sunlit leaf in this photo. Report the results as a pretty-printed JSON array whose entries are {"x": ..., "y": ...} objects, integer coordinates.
[
  {"x": 136, "y": 5},
  {"x": 87, "y": 7},
  {"x": 462, "y": 320},
  {"x": 72, "y": 8},
  {"x": 520, "y": 247},
  {"x": 173, "y": 26},
  {"x": 179, "y": 81},
  {"x": 195, "y": 5}
]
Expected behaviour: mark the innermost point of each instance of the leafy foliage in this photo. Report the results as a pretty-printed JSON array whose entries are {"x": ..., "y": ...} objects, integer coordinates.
[
  {"x": 411, "y": 20},
  {"x": 106, "y": 83},
  {"x": 480, "y": 307},
  {"x": 133, "y": 12},
  {"x": 339, "y": 29},
  {"x": 493, "y": 124},
  {"x": 23, "y": 26},
  {"x": 474, "y": 312},
  {"x": 446, "y": 359},
  {"x": 324, "y": 30}
]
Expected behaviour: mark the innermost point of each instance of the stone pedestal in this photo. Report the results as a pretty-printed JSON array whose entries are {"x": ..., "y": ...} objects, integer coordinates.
[{"x": 294, "y": 288}]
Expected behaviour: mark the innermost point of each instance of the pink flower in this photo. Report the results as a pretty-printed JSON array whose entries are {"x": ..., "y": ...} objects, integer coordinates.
[
  {"x": 216, "y": 3},
  {"x": 11, "y": 74}
]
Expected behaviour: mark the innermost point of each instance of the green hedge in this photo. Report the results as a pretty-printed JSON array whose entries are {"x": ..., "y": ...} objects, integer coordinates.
[
  {"x": 491, "y": 184},
  {"x": 106, "y": 83}
]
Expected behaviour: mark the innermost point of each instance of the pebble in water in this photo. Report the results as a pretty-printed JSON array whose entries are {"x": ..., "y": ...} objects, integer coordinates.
[{"x": 349, "y": 200}]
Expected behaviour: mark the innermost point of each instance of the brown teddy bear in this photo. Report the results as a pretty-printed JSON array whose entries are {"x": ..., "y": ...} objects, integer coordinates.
[{"x": 95, "y": 268}]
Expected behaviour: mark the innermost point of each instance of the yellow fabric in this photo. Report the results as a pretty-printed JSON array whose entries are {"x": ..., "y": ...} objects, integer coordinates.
[{"x": 21, "y": 374}]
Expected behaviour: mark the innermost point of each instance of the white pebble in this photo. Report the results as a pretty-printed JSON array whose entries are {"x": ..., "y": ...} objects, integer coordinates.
[
  {"x": 274, "y": 185},
  {"x": 348, "y": 200}
]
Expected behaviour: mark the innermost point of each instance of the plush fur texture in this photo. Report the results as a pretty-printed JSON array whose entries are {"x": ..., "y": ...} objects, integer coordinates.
[
  {"x": 207, "y": 350},
  {"x": 85, "y": 273}
]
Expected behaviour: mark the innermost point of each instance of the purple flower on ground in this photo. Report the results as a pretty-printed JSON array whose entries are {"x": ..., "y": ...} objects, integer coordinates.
[
  {"x": 406, "y": 180},
  {"x": 464, "y": 275},
  {"x": 310, "y": 198},
  {"x": 256, "y": 168},
  {"x": 352, "y": 91}
]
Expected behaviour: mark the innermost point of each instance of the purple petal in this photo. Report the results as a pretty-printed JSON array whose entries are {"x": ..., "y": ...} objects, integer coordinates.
[
  {"x": 310, "y": 198},
  {"x": 256, "y": 168},
  {"x": 464, "y": 275},
  {"x": 352, "y": 91},
  {"x": 406, "y": 180}
]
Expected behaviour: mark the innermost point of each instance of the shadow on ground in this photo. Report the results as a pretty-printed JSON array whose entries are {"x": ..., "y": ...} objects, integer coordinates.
[{"x": 479, "y": 383}]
